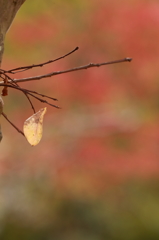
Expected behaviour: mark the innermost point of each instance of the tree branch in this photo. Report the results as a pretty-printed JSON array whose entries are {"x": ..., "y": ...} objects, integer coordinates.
[
  {"x": 68, "y": 70},
  {"x": 5, "y": 116},
  {"x": 25, "y": 68},
  {"x": 32, "y": 94}
]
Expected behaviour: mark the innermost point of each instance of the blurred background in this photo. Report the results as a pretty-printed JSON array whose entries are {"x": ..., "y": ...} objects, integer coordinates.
[{"x": 95, "y": 173}]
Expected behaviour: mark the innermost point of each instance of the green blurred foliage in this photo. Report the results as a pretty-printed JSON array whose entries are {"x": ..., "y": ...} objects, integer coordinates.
[{"x": 129, "y": 211}]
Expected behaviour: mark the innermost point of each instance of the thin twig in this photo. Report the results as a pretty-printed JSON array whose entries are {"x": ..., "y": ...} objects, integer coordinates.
[
  {"x": 5, "y": 116},
  {"x": 70, "y": 70},
  {"x": 41, "y": 100},
  {"x": 28, "y": 92},
  {"x": 14, "y": 84},
  {"x": 3, "y": 72},
  {"x": 42, "y": 95},
  {"x": 31, "y": 104},
  {"x": 25, "y": 68}
]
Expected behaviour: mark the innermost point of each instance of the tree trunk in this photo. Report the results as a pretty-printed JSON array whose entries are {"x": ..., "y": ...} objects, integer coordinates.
[{"x": 8, "y": 10}]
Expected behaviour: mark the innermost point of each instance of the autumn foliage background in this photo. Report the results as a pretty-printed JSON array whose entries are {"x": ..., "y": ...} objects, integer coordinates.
[{"x": 94, "y": 175}]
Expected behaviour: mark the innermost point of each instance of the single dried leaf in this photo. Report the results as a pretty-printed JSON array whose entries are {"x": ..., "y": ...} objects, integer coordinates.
[{"x": 33, "y": 127}]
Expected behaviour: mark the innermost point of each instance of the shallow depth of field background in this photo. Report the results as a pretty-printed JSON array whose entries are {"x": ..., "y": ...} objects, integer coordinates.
[{"x": 95, "y": 174}]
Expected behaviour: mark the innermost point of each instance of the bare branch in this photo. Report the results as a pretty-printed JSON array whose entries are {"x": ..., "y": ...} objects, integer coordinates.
[
  {"x": 31, "y": 104},
  {"x": 41, "y": 100},
  {"x": 25, "y": 68},
  {"x": 12, "y": 83},
  {"x": 5, "y": 116},
  {"x": 31, "y": 93},
  {"x": 42, "y": 95},
  {"x": 70, "y": 70}
]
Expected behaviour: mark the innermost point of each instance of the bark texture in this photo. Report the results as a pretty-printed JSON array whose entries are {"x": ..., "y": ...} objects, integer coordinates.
[{"x": 8, "y": 10}]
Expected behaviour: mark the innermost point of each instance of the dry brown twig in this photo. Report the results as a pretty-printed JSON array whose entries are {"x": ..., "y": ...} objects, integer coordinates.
[{"x": 90, "y": 65}]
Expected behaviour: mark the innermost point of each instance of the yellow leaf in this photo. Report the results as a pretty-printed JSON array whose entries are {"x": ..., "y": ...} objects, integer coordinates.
[{"x": 33, "y": 127}]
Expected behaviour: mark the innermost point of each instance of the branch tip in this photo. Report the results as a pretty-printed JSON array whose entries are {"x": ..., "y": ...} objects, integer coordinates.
[{"x": 128, "y": 59}]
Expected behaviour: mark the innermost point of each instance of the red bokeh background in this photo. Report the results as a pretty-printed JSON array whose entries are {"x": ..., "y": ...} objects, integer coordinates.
[{"x": 107, "y": 131}]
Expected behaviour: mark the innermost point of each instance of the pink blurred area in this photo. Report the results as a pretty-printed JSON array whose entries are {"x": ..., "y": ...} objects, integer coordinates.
[{"x": 108, "y": 128}]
